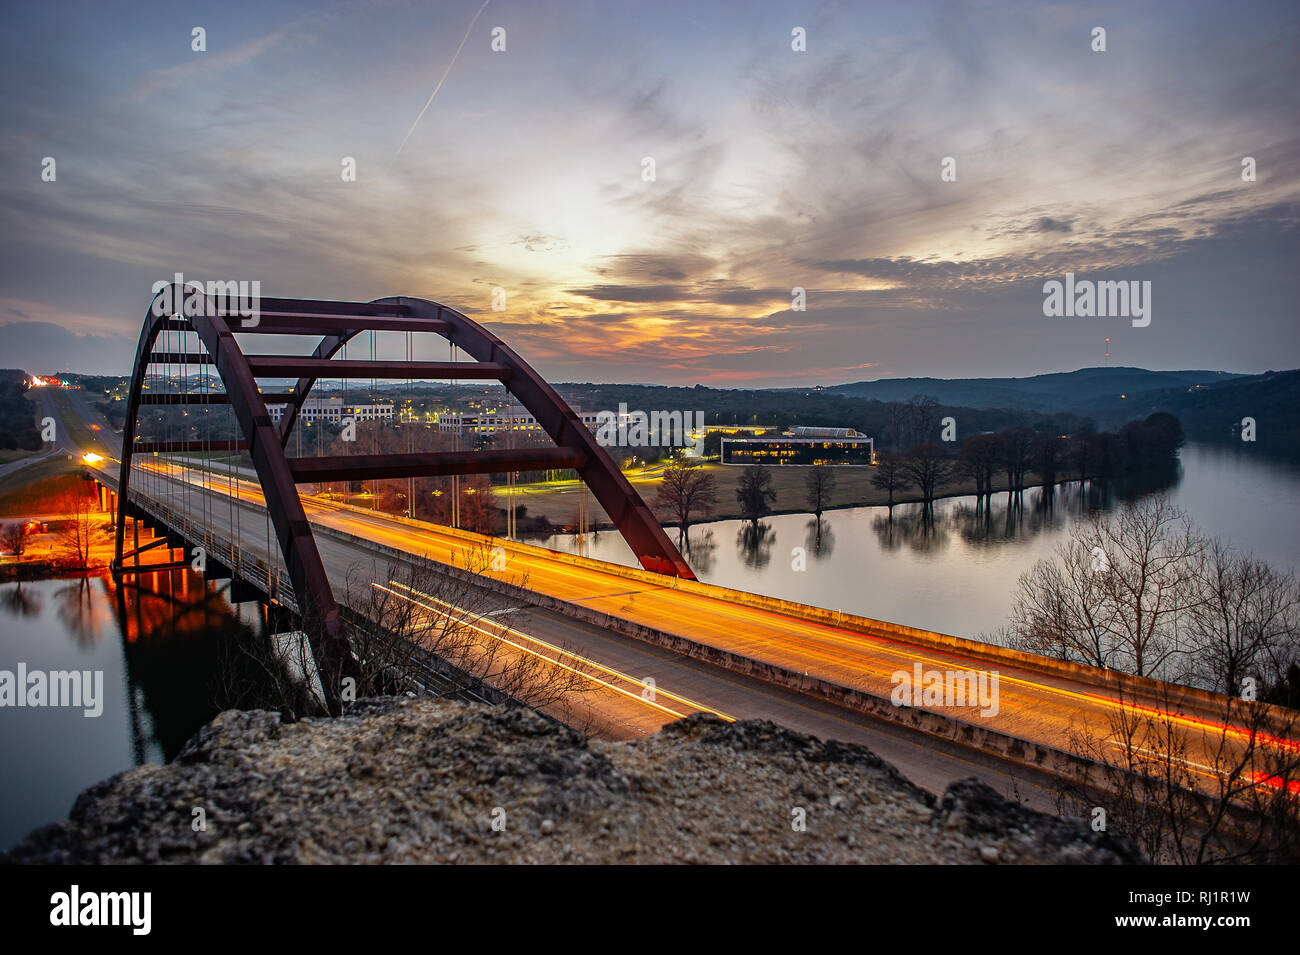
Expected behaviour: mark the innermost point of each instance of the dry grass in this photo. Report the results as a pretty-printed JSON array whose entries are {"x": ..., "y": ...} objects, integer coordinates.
[{"x": 37, "y": 489}]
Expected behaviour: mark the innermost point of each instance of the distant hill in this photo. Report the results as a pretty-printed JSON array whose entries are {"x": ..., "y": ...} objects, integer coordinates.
[
  {"x": 1062, "y": 391},
  {"x": 1213, "y": 411},
  {"x": 1210, "y": 404}
]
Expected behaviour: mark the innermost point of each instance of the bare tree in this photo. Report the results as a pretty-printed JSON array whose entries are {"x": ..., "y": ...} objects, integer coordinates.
[
  {"x": 1150, "y": 549},
  {"x": 978, "y": 460},
  {"x": 686, "y": 489},
  {"x": 895, "y": 424},
  {"x": 13, "y": 538},
  {"x": 1117, "y": 593},
  {"x": 1046, "y": 453},
  {"x": 1195, "y": 792},
  {"x": 1017, "y": 445},
  {"x": 78, "y": 531},
  {"x": 927, "y": 467},
  {"x": 889, "y": 475},
  {"x": 414, "y": 628},
  {"x": 820, "y": 482},
  {"x": 1062, "y": 608},
  {"x": 755, "y": 493},
  {"x": 922, "y": 417},
  {"x": 432, "y": 627},
  {"x": 1247, "y": 622}
]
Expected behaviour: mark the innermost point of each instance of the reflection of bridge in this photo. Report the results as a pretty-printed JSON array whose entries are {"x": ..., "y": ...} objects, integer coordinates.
[{"x": 735, "y": 653}]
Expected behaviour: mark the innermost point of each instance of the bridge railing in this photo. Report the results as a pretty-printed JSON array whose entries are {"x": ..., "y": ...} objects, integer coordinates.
[{"x": 271, "y": 579}]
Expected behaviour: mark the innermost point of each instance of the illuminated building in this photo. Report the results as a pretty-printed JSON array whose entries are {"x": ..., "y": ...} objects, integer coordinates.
[
  {"x": 333, "y": 409},
  {"x": 803, "y": 446}
]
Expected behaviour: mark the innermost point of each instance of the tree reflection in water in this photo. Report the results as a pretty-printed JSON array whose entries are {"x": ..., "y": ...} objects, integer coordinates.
[
  {"x": 700, "y": 548},
  {"x": 81, "y": 611},
  {"x": 754, "y": 542},
  {"x": 20, "y": 601},
  {"x": 820, "y": 540},
  {"x": 920, "y": 527},
  {"x": 1003, "y": 518}
]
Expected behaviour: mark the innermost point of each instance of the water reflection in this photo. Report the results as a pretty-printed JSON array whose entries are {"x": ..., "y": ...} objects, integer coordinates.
[
  {"x": 820, "y": 539},
  {"x": 754, "y": 542},
  {"x": 955, "y": 569},
  {"x": 159, "y": 644},
  {"x": 918, "y": 527},
  {"x": 1001, "y": 519},
  {"x": 1009, "y": 519},
  {"x": 85, "y": 617},
  {"x": 20, "y": 601},
  {"x": 178, "y": 631},
  {"x": 700, "y": 550}
]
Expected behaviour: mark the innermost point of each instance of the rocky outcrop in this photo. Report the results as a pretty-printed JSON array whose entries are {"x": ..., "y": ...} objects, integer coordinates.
[{"x": 404, "y": 780}]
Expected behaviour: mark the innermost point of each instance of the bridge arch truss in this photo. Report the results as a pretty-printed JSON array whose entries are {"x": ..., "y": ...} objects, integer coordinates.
[{"x": 334, "y": 324}]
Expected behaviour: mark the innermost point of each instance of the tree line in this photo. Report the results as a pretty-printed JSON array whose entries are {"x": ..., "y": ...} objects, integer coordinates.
[
  {"x": 17, "y": 415},
  {"x": 1139, "y": 448}
]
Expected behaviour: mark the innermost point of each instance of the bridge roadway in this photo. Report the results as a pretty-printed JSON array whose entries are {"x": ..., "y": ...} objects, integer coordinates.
[{"x": 1031, "y": 705}]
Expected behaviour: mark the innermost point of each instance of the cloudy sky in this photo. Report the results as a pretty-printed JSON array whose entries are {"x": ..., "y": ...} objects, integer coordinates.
[{"x": 773, "y": 169}]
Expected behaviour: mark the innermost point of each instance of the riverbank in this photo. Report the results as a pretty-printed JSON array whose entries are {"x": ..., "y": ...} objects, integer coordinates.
[
  {"x": 558, "y": 502},
  {"x": 12, "y": 571},
  {"x": 50, "y": 550}
]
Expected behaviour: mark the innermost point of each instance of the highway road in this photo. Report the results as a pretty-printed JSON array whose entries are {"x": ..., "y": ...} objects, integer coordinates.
[{"x": 61, "y": 405}]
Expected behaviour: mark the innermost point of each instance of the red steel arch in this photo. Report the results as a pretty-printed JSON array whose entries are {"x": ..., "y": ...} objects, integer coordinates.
[{"x": 336, "y": 323}]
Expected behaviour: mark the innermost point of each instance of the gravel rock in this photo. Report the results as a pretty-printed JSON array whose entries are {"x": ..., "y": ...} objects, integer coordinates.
[{"x": 429, "y": 781}]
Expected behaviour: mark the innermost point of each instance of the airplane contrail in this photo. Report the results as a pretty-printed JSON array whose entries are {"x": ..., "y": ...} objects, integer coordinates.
[{"x": 443, "y": 79}]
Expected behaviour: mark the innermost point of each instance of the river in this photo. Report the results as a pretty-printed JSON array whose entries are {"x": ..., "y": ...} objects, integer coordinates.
[{"x": 156, "y": 651}]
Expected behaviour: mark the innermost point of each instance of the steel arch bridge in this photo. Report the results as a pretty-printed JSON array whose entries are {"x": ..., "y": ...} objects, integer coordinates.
[{"x": 334, "y": 324}]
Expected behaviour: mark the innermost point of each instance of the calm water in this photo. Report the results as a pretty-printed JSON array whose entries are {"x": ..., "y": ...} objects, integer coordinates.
[
  {"x": 956, "y": 574},
  {"x": 157, "y": 650}
]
